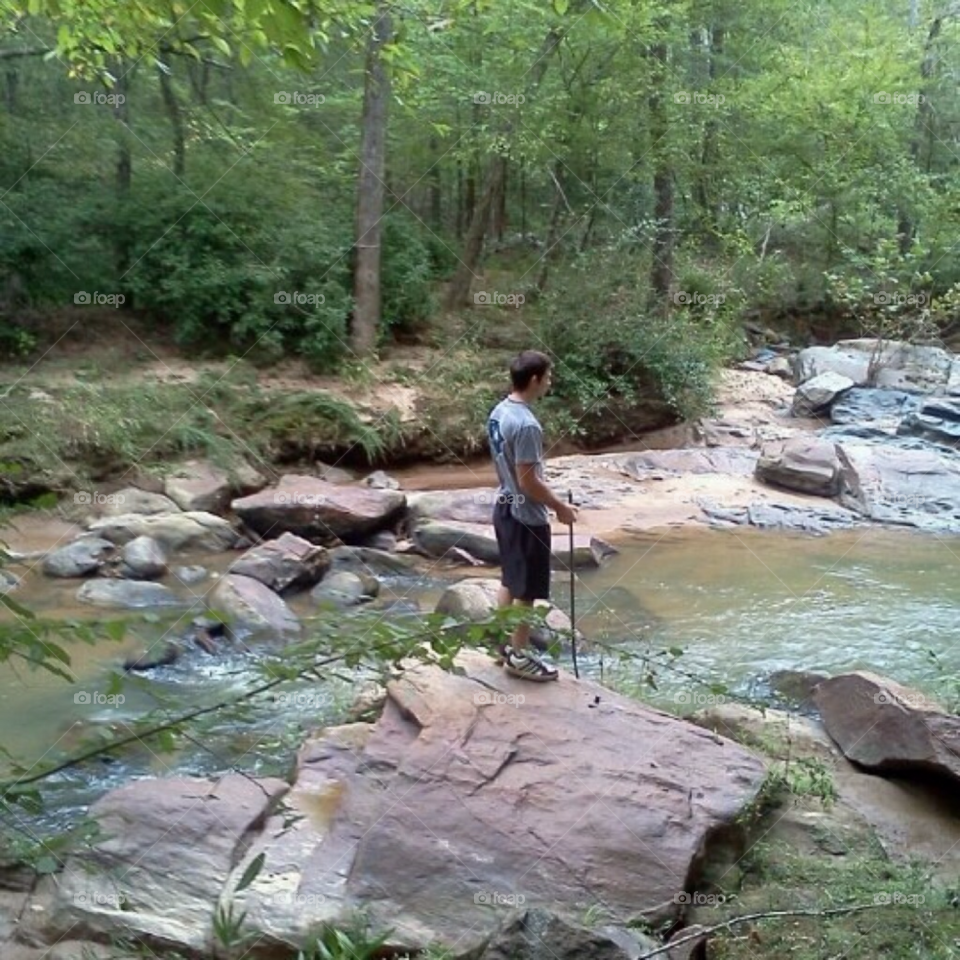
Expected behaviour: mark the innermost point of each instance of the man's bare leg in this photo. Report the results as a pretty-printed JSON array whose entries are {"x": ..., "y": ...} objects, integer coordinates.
[{"x": 521, "y": 635}]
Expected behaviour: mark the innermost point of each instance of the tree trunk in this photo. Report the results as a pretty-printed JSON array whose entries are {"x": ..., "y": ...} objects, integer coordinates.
[
  {"x": 661, "y": 270},
  {"x": 705, "y": 193},
  {"x": 523, "y": 201},
  {"x": 122, "y": 112},
  {"x": 553, "y": 234},
  {"x": 366, "y": 310},
  {"x": 500, "y": 215},
  {"x": 436, "y": 208},
  {"x": 923, "y": 129},
  {"x": 470, "y": 202},
  {"x": 10, "y": 94},
  {"x": 458, "y": 295},
  {"x": 176, "y": 121}
]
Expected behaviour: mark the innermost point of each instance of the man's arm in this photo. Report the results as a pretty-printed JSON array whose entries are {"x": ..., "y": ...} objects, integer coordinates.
[{"x": 529, "y": 453}]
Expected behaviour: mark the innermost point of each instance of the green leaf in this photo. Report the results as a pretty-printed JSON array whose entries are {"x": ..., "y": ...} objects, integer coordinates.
[
  {"x": 221, "y": 45},
  {"x": 115, "y": 630},
  {"x": 18, "y": 609},
  {"x": 251, "y": 873},
  {"x": 561, "y": 7},
  {"x": 47, "y": 865}
]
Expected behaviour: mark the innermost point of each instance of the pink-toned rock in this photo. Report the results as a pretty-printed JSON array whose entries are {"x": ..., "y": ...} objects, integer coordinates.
[
  {"x": 284, "y": 563},
  {"x": 168, "y": 849},
  {"x": 318, "y": 510},
  {"x": 473, "y": 791},
  {"x": 886, "y": 727}
]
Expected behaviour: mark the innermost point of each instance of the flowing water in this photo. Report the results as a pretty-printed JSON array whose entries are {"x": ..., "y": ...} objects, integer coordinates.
[{"x": 739, "y": 605}]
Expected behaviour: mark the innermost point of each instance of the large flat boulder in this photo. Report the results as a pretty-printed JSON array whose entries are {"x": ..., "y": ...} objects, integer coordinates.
[
  {"x": 318, "y": 510},
  {"x": 436, "y": 538},
  {"x": 169, "y": 847},
  {"x": 936, "y": 419},
  {"x": 175, "y": 531},
  {"x": 472, "y": 505},
  {"x": 132, "y": 500},
  {"x": 654, "y": 464},
  {"x": 895, "y": 483},
  {"x": 886, "y": 727},
  {"x": 199, "y": 485},
  {"x": 129, "y": 594},
  {"x": 287, "y": 563},
  {"x": 804, "y": 464},
  {"x": 252, "y": 608},
  {"x": 871, "y": 405},
  {"x": 902, "y": 366},
  {"x": 473, "y": 791}
]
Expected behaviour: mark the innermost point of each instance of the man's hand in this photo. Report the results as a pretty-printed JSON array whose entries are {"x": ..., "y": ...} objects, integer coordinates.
[{"x": 566, "y": 513}]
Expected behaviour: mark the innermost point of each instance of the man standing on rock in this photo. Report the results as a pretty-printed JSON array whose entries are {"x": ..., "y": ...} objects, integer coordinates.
[{"x": 520, "y": 514}]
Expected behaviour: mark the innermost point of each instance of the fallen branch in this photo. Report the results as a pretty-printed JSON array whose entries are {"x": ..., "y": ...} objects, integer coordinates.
[{"x": 707, "y": 931}]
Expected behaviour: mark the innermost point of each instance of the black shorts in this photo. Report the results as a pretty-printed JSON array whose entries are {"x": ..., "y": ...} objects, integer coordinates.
[{"x": 524, "y": 555}]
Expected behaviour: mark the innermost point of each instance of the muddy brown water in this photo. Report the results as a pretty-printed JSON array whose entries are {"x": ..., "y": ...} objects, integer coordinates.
[{"x": 739, "y": 605}]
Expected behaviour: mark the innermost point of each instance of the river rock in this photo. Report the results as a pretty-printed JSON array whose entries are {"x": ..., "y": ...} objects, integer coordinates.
[
  {"x": 251, "y": 607},
  {"x": 883, "y": 409},
  {"x": 198, "y": 485},
  {"x": 144, "y": 559},
  {"x": 8, "y": 582},
  {"x": 470, "y": 505},
  {"x": 462, "y": 796},
  {"x": 190, "y": 575},
  {"x": 169, "y": 846},
  {"x": 372, "y": 561},
  {"x": 818, "y": 520},
  {"x": 656, "y": 464},
  {"x": 816, "y": 394},
  {"x": 346, "y": 589},
  {"x": 158, "y": 655},
  {"x": 134, "y": 500},
  {"x": 805, "y": 464},
  {"x": 437, "y": 538},
  {"x": 128, "y": 594},
  {"x": 540, "y": 934},
  {"x": 78, "y": 559},
  {"x": 176, "y": 531},
  {"x": 883, "y": 726},
  {"x": 475, "y": 599},
  {"x": 289, "y": 562},
  {"x": 319, "y": 510},
  {"x": 903, "y": 366},
  {"x": 894, "y": 483},
  {"x": 936, "y": 419},
  {"x": 381, "y": 481}
]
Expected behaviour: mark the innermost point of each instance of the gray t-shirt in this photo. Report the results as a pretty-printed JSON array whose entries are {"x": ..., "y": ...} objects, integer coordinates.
[{"x": 516, "y": 437}]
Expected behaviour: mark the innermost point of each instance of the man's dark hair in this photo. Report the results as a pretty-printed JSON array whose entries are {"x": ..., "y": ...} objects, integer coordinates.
[{"x": 526, "y": 366}]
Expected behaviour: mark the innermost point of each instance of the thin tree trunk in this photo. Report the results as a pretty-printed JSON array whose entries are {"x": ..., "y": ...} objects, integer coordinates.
[
  {"x": 500, "y": 217},
  {"x": 10, "y": 93},
  {"x": 705, "y": 193},
  {"x": 436, "y": 207},
  {"x": 661, "y": 271},
  {"x": 553, "y": 238},
  {"x": 122, "y": 112},
  {"x": 923, "y": 129},
  {"x": 370, "y": 188},
  {"x": 523, "y": 201},
  {"x": 176, "y": 121},
  {"x": 458, "y": 295}
]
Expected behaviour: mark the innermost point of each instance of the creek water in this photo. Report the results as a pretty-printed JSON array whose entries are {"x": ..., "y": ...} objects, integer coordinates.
[{"x": 739, "y": 605}]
